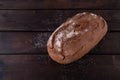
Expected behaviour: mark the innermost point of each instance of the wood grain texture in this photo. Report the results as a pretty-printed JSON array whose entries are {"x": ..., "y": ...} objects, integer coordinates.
[
  {"x": 23, "y": 42},
  {"x": 49, "y": 20},
  {"x": 25, "y": 26},
  {"x": 35, "y": 42},
  {"x": 37, "y": 67},
  {"x": 59, "y": 4}
]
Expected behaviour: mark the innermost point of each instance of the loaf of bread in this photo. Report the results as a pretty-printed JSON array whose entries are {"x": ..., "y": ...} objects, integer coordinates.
[{"x": 76, "y": 37}]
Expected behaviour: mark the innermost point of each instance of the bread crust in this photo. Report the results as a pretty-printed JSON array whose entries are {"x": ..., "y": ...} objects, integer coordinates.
[{"x": 76, "y": 37}]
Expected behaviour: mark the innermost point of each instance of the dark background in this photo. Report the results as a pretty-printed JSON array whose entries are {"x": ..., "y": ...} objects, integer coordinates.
[{"x": 25, "y": 26}]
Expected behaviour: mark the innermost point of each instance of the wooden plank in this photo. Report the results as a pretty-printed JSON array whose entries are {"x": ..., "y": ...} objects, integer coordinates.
[
  {"x": 37, "y": 67},
  {"x": 23, "y": 42},
  {"x": 49, "y": 20},
  {"x": 59, "y": 4},
  {"x": 35, "y": 42}
]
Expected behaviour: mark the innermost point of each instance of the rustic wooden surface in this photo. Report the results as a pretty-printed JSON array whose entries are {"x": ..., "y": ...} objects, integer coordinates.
[
  {"x": 49, "y": 20},
  {"x": 35, "y": 42},
  {"x": 25, "y": 26},
  {"x": 59, "y": 4},
  {"x": 37, "y": 67}
]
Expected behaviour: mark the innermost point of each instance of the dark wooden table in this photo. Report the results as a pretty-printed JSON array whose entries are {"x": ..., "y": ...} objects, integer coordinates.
[{"x": 25, "y": 26}]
